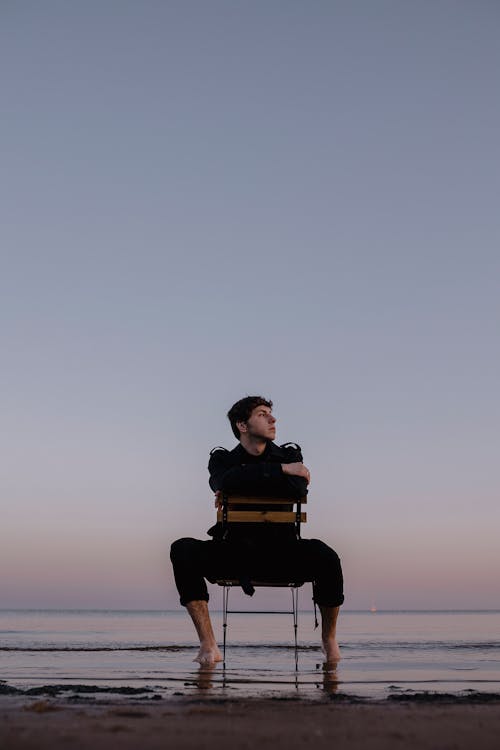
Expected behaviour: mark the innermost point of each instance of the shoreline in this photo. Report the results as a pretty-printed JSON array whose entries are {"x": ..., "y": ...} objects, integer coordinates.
[{"x": 72, "y": 693}]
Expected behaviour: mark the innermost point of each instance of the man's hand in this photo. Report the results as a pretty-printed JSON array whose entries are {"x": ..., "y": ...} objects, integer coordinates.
[
  {"x": 218, "y": 500},
  {"x": 297, "y": 470}
]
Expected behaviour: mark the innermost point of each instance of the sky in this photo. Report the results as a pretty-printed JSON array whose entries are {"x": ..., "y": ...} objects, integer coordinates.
[{"x": 205, "y": 200}]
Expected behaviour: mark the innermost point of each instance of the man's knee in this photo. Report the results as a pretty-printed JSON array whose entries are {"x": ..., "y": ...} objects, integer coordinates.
[
  {"x": 328, "y": 581},
  {"x": 323, "y": 553},
  {"x": 182, "y": 549}
]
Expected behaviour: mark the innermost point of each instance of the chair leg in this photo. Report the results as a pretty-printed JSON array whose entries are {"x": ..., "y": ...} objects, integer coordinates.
[
  {"x": 225, "y": 599},
  {"x": 295, "y": 608},
  {"x": 295, "y": 614}
]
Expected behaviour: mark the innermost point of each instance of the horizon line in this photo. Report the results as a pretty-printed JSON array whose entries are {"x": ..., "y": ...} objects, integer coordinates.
[{"x": 165, "y": 611}]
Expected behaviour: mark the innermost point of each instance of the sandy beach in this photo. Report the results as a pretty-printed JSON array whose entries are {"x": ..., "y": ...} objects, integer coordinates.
[{"x": 36, "y": 723}]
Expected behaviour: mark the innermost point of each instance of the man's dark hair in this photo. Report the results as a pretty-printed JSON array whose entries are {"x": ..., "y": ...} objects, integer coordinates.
[{"x": 241, "y": 411}]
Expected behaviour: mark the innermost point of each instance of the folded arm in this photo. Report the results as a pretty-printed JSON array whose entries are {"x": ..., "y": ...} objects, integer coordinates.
[{"x": 263, "y": 479}]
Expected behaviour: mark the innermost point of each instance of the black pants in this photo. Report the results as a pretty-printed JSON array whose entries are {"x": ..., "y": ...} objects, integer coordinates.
[{"x": 295, "y": 560}]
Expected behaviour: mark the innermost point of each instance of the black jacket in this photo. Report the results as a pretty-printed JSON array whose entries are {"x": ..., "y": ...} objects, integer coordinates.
[{"x": 241, "y": 473}]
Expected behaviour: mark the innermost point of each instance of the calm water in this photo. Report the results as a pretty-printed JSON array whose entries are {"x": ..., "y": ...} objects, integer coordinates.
[{"x": 382, "y": 653}]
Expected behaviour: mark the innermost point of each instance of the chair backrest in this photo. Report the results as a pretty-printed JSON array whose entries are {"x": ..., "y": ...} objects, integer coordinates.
[{"x": 246, "y": 509}]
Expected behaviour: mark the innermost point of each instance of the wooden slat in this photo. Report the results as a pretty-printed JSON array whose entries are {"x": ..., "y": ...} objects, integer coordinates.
[
  {"x": 243, "y": 500},
  {"x": 258, "y": 516}
]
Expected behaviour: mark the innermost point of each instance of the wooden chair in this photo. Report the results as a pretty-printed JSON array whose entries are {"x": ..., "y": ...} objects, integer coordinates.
[{"x": 244, "y": 509}]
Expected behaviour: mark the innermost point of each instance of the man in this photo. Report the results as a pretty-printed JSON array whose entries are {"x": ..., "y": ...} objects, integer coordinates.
[{"x": 257, "y": 466}]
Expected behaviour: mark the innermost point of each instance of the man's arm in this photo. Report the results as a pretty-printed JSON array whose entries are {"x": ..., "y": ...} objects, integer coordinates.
[
  {"x": 268, "y": 478},
  {"x": 297, "y": 474}
]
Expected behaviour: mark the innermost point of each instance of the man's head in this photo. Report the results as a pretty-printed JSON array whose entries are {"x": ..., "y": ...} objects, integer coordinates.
[{"x": 253, "y": 416}]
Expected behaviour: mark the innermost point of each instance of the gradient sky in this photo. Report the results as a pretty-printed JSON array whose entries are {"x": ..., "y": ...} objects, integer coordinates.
[{"x": 203, "y": 200}]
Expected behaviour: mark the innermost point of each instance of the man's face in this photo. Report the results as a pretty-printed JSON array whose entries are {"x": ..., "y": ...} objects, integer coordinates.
[{"x": 261, "y": 424}]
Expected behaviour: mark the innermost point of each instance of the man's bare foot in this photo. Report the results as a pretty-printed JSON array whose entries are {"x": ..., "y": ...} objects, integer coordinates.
[
  {"x": 332, "y": 651},
  {"x": 208, "y": 655}
]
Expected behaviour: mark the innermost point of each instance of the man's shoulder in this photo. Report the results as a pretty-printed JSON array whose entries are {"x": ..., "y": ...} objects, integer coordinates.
[
  {"x": 287, "y": 452},
  {"x": 291, "y": 447},
  {"x": 220, "y": 456},
  {"x": 217, "y": 449}
]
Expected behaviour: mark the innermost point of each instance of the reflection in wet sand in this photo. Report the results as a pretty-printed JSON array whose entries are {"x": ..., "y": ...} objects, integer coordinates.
[
  {"x": 330, "y": 677},
  {"x": 210, "y": 677},
  {"x": 204, "y": 678}
]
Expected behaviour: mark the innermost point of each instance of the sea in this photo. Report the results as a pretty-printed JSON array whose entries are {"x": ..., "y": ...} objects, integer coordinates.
[{"x": 385, "y": 654}]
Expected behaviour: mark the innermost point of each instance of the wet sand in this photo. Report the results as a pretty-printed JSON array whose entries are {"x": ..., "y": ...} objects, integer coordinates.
[{"x": 36, "y": 723}]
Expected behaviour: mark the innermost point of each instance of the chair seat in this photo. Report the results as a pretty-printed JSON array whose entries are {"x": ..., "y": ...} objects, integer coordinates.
[{"x": 236, "y": 582}]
